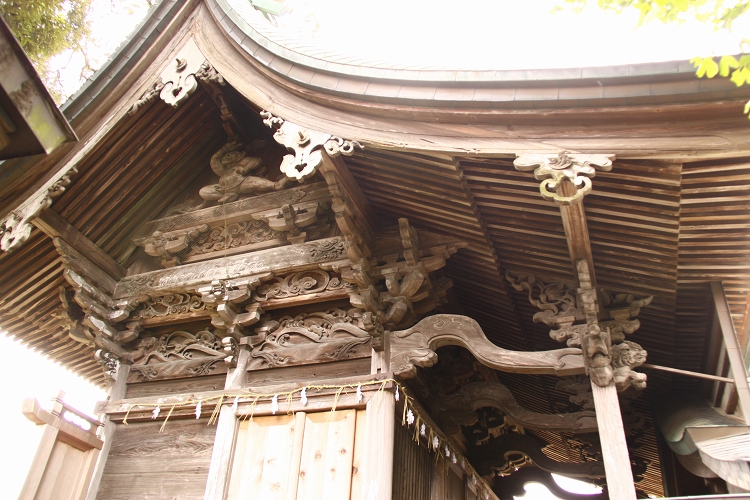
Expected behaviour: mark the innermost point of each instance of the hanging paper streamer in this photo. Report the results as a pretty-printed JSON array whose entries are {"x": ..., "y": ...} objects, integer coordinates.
[{"x": 434, "y": 440}]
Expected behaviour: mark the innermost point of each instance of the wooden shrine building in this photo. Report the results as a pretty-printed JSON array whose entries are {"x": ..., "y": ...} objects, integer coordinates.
[{"x": 306, "y": 276}]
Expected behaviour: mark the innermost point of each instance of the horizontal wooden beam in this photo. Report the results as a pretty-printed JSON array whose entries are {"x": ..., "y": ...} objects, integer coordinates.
[
  {"x": 688, "y": 373},
  {"x": 55, "y": 226}
]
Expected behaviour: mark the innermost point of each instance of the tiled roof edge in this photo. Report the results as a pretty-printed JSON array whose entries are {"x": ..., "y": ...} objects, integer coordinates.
[
  {"x": 265, "y": 42},
  {"x": 123, "y": 59}
]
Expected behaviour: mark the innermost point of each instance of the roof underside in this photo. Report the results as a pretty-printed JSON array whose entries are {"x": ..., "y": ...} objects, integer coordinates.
[{"x": 662, "y": 227}]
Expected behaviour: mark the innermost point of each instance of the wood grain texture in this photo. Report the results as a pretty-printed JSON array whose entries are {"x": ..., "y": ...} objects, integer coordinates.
[
  {"x": 144, "y": 463},
  {"x": 378, "y": 446}
]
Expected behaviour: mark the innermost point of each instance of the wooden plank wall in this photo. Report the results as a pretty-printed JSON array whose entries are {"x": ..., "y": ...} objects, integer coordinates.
[
  {"x": 146, "y": 464},
  {"x": 66, "y": 474},
  {"x": 307, "y": 456},
  {"x": 413, "y": 466}
]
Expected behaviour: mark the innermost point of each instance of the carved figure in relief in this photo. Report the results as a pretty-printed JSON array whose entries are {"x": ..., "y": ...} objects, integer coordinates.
[
  {"x": 625, "y": 357},
  {"x": 233, "y": 167}
]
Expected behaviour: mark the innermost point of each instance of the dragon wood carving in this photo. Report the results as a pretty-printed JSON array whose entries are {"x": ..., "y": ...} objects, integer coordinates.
[
  {"x": 309, "y": 338},
  {"x": 177, "y": 354}
]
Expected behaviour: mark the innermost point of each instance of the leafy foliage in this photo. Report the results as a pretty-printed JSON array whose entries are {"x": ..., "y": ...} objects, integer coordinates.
[
  {"x": 720, "y": 13},
  {"x": 46, "y": 28}
]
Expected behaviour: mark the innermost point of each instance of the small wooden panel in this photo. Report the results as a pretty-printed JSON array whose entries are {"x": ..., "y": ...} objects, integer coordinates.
[
  {"x": 309, "y": 373},
  {"x": 65, "y": 474},
  {"x": 301, "y": 456},
  {"x": 357, "y": 462},
  {"x": 146, "y": 464},
  {"x": 175, "y": 386},
  {"x": 262, "y": 465},
  {"x": 325, "y": 471}
]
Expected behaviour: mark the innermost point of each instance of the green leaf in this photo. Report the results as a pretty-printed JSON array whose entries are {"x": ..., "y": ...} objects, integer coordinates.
[
  {"x": 727, "y": 63},
  {"x": 707, "y": 68},
  {"x": 741, "y": 76}
]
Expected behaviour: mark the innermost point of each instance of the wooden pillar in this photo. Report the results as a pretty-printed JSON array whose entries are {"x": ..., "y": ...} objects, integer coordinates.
[
  {"x": 736, "y": 361},
  {"x": 614, "y": 447},
  {"x": 116, "y": 393},
  {"x": 607, "y": 405},
  {"x": 219, "y": 470},
  {"x": 378, "y": 446}
]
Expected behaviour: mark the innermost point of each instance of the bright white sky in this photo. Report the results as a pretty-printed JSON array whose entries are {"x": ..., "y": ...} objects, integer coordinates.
[{"x": 477, "y": 34}]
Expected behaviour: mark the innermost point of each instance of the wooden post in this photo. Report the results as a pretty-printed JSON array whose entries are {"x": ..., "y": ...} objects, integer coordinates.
[
  {"x": 378, "y": 446},
  {"x": 116, "y": 393},
  {"x": 217, "y": 484},
  {"x": 614, "y": 447},
  {"x": 736, "y": 362}
]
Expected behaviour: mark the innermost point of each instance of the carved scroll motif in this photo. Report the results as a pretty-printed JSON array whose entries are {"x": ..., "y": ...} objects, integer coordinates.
[
  {"x": 459, "y": 409},
  {"x": 556, "y": 301},
  {"x": 594, "y": 337},
  {"x": 296, "y": 284},
  {"x": 488, "y": 458},
  {"x": 416, "y": 347},
  {"x": 309, "y": 338},
  {"x": 552, "y": 169},
  {"x": 180, "y": 79},
  {"x": 168, "y": 305},
  {"x": 306, "y": 146},
  {"x": 16, "y": 228},
  {"x": 235, "y": 267},
  {"x": 174, "y": 355}
]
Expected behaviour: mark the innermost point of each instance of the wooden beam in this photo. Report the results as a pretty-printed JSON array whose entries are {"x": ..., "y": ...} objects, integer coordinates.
[
  {"x": 220, "y": 468},
  {"x": 736, "y": 361},
  {"x": 608, "y": 416},
  {"x": 54, "y": 226}
]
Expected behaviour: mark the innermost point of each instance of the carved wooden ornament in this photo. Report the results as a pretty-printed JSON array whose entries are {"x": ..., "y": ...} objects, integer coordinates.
[
  {"x": 552, "y": 169},
  {"x": 416, "y": 347},
  {"x": 305, "y": 144}
]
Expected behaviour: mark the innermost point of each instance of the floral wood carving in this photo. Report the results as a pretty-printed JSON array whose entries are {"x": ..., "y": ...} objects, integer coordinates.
[
  {"x": 301, "y": 283},
  {"x": 552, "y": 169},
  {"x": 459, "y": 409},
  {"x": 310, "y": 338},
  {"x": 416, "y": 347},
  {"x": 560, "y": 308},
  {"x": 306, "y": 146},
  {"x": 233, "y": 267},
  {"x": 168, "y": 305},
  {"x": 556, "y": 301},
  {"x": 178, "y": 354}
]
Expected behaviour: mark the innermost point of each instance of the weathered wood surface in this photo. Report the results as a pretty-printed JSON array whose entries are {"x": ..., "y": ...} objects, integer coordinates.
[
  {"x": 281, "y": 259},
  {"x": 66, "y": 455},
  {"x": 146, "y": 464},
  {"x": 416, "y": 347},
  {"x": 377, "y": 462},
  {"x": 116, "y": 391},
  {"x": 458, "y": 409},
  {"x": 413, "y": 470},
  {"x": 55, "y": 226},
  {"x": 175, "y": 386},
  {"x": 310, "y": 373}
]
